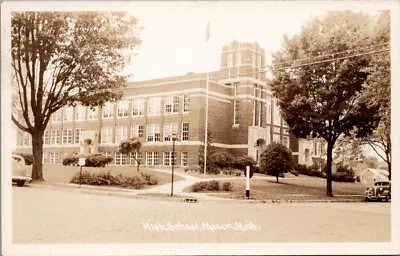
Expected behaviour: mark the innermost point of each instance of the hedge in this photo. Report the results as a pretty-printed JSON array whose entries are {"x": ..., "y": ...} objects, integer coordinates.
[{"x": 92, "y": 160}]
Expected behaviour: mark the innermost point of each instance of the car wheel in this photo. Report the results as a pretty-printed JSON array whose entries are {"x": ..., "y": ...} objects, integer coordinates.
[
  {"x": 387, "y": 197},
  {"x": 20, "y": 183},
  {"x": 366, "y": 199}
]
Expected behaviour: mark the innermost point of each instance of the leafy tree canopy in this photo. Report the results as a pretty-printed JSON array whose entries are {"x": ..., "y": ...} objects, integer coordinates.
[{"x": 276, "y": 159}]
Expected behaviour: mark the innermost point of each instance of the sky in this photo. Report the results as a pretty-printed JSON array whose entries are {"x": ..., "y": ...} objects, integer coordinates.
[{"x": 173, "y": 33}]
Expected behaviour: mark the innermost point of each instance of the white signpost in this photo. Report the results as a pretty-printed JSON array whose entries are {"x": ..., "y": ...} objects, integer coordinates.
[
  {"x": 247, "y": 181},
  {"x": 82, "y": 162}
]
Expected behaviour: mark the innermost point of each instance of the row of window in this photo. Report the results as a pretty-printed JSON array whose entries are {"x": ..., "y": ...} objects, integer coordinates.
[
  {"x": 152, "y": 158},
  {"x": 153, "y": 133},
  {"x": 137, "y": 107}
]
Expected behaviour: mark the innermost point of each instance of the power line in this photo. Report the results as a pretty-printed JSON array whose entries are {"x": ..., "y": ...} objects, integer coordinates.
[
  {"x": 301, "y": 60},
  {"x": 306, "y": 64}
]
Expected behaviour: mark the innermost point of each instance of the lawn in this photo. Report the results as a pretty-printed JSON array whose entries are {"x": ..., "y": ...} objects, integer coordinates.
[
  {"x": 290, "y": 189},
  {"x": 63, "y": 174}
]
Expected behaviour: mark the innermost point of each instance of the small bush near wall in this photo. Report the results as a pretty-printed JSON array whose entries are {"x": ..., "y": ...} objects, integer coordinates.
[
  {"x": 107, "y": 179},
  {"x": 92, "y": 160}
]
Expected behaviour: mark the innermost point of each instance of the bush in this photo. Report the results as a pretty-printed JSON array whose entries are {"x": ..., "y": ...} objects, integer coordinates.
[
  {"x": 276, "y": 159},
  {"x": 70, "y": 160},
  {"x": 342, "y": 177},
  {"x": 27, "y": 157},
  {"x": 107, "y": 179},
  {"x": 221, "y": 159},
  {"x": 227, "y": 186},
  {"x": 92, "y": 160},
  {"x": 211, "y": 185},
  {"x": 309, "y": 171},
  {"x": 98, "y": 160},
  {"x": 345, "y": 169},
  {"x": 358, "y": 179},
  {"x": 149, "y": 179},
  {"x": 294, "y": 172}
]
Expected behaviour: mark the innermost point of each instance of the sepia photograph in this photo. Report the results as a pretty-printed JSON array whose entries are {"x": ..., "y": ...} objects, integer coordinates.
[{"x": 199, "y": 127}]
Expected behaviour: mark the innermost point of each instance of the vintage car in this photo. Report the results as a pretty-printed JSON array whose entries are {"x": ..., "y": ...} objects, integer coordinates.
[
  {"x": 380, "y": 190},
  {"x": 20, "y": 171}
]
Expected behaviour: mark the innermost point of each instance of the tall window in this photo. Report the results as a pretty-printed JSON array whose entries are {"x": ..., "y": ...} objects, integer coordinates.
[
  {"x": 171, "y": 104},
  {"x": 154, "y": 106},
  {"x": 26, "y": 139},
  {"x": 269, "y": 110},
  {"x": 152, "y": 158},
  {"x": 121, "y": 133},
  {"x": 78, "y": 135},
  {"x": 238, "y": 58},
  {"x": 137, "y": 131},
  {"x": 93, "y": 113},
  {"x": 56, "y": 116},
  {"x": 236, "y": 112},
  {"x": 153, "y": 132},
  {"x": 45, "y": 158},
  {"x": 137, "y": 107},
  {"x": 185, "y": 131},
  {"x": 135, "y": 156},
  {"x": 120, "y": 159},
  {"x": 55, "y": 137},
  {"x": 108, "y": 110},
  {"x": 169, "y": 129},
  {"x": 106, "y": 134},
  {"x": 229, "y": 60},
  {"x": 54, "y": 158},
  {"x": 254, "y": 59},
  {"x": 236, "y": 104},
  {"x": 46, "y": 137},
  {"x": 186, "y": 103},
  {"x": 80, "y": 112},
  {"x": 67, "y": 114},
  {"x": 276, "y": 138},
  {"x": 67, "y": 136},
  {"x": 169, "y": 158},
  {"x": 123, "y": 107},
  {"x": 184, "y": 158},
  {"x": 277, "y": 114}
]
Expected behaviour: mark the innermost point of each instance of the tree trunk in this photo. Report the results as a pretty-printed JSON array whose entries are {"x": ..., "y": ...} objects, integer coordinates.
[
  {"x": 389, "y": 165},
  {"x": 277, "y": 178},
  {"x": 37, "y": 152},
  {"x": 329, "y": 169}
]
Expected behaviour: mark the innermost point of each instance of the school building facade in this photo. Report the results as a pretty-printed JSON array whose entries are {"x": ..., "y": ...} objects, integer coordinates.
[{"x": 243, "y": 117}]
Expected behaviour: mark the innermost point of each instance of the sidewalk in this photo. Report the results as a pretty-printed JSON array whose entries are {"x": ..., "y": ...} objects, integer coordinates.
[{"x": 162, "y": 192}]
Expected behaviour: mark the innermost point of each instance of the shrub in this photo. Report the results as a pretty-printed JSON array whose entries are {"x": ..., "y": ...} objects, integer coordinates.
[
  {"x": 276, "y": 159},
  {"x": 211, "y": 185},
  {"x": 70, "y": 160},
  {"x": 107, "y": 179},
  {"x": 342, "y": 177},
  {"x": 358, "y": 179},
  {"x": 227, "y": 186},
  {"x": 27, "y": 157},
  {"x": 98, "y": 160},
  {"x": 149, "y": 179},
  {"x": 294, "y": 172},
  {"x": 92, "y": 160},
  {"x": 345, "y": 169},
  {"x": 221, "y": 159}
]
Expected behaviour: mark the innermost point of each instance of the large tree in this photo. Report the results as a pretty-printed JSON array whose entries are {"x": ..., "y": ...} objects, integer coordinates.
[
  {"x": 61, "y": 58},
  {"x": 378, "y": 90},
  {"x": 317, "y": 82}
]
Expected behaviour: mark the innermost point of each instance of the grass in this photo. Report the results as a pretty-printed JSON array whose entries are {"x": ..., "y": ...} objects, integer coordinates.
[
  {"x": 290, "y": 189},
  {"x": 64, "y": 174}
]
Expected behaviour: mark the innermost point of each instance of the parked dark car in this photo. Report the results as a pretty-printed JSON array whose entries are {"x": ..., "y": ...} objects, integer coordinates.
[{"x": 380, "y": 190}]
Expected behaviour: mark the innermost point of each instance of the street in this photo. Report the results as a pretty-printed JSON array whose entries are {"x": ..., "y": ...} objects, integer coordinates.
[{"x": 43, "y": 216}]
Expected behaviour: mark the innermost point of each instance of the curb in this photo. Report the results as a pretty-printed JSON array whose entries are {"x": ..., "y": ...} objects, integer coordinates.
[{"x": 140, "y": 194}]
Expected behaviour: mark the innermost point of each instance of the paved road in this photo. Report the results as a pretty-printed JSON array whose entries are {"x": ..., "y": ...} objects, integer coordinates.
[{"x": 43, "y": 215}]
